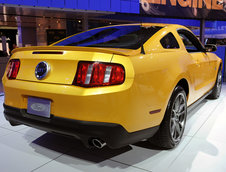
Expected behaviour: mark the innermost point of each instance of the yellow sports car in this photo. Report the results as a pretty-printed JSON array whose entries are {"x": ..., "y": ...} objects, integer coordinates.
[{"x": 113, "y": 85}]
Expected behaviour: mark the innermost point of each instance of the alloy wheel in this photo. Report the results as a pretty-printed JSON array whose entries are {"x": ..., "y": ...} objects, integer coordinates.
[
  {"x": 219, "y": 82},
  {"x": 178, "y": 117}
]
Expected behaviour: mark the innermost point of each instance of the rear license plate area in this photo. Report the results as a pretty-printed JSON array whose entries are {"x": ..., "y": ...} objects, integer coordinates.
[{"x": 39, "y": 107}]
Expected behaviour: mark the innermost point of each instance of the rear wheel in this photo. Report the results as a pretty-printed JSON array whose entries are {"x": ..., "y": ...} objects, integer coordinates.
[
  {"x": 172, "y": 127},
  {"x": 217, "y": 87}
]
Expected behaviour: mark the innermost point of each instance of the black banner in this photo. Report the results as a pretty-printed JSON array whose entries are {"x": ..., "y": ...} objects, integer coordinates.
[{"x": 199, "y": 9}]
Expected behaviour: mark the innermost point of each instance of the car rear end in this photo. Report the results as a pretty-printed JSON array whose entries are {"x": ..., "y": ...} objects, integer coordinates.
[
  {"x": 85, "y": 92},
  {"x": 70, "y": 90}
]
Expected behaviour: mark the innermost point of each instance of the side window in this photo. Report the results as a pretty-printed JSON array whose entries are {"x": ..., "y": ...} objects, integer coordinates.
[
  {"x": 188, "y": 44},
  {"x": 169, "y": 41},
  {"x": 191, "y": 43}
]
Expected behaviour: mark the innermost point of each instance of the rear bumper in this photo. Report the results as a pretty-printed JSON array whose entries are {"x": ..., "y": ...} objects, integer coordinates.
[{"x": 113, "y": 134}]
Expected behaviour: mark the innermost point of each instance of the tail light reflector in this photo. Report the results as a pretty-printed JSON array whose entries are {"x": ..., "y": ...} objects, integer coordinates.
[
  {"x": 94, "y": 74},
  {"x": 13, "y": 68}
]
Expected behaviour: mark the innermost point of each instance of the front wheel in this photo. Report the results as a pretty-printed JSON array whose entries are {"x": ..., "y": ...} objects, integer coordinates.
[
  {"x": 217, "y": 87},
  {"x": 172, "y": 127}
]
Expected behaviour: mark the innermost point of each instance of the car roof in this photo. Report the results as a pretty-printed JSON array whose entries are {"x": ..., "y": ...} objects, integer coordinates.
[{"x": 155, "y": 24}]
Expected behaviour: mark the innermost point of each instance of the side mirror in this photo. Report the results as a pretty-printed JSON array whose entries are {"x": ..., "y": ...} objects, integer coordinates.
[{"x": 210, "y": 48}]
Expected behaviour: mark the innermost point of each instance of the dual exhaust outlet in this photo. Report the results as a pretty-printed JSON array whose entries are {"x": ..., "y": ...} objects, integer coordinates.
[{"x": 98, "y": 143}]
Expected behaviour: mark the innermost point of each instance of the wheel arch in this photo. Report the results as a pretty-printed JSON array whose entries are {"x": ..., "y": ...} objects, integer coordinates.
[
  {"x": 220, "y": 65},
  {"x": 184, "y": 84}
]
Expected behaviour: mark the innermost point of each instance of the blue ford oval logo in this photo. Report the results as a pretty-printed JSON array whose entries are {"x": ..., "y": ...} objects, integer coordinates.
[
  {"x": 38, "y": 107},
  {"x": 41, "y": 70}
]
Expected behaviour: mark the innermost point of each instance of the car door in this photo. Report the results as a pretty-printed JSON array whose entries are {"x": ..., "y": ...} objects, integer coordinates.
[{"x": 201, "y": 65}]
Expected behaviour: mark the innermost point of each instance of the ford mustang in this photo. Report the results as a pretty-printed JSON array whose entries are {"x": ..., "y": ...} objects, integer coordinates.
[{"x": 113, "y": 85}]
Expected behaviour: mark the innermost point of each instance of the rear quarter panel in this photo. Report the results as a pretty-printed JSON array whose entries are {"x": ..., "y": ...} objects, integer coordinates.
[{"x": 155, "y": 77}]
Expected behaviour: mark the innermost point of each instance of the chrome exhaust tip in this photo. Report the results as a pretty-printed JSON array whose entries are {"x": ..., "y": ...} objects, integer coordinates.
[{"x": 98, "y": 143}]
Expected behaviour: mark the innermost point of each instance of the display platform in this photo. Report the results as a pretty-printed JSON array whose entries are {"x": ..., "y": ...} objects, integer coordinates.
[{"x": 203, "y": 148}]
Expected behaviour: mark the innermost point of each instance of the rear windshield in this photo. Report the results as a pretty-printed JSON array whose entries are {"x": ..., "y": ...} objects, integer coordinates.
[{"x": 129, "y": 37}]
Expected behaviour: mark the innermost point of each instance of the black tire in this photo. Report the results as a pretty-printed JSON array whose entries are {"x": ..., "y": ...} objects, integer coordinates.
[
  {"x": 217, "y": 87},
  {"x": 169, "y": 135}
]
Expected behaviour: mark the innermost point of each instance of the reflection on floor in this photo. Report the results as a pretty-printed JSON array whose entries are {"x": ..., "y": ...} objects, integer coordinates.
[{"x": 203, "y": 148}]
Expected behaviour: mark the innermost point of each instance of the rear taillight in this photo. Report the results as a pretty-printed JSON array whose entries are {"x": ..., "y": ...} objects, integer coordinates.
[
  {"x": 13, "y": 68},
  {"x": 94, "y": 74}
]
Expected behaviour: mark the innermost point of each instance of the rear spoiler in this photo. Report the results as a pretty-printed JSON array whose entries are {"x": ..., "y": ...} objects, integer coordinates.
[{"x": 124, "y": 52}]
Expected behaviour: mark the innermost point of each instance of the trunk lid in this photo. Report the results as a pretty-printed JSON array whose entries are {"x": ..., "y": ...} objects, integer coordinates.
[{"x": 62, "y": 61}]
